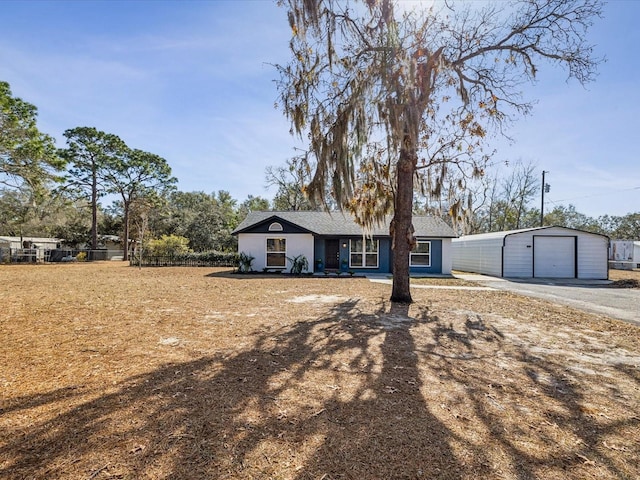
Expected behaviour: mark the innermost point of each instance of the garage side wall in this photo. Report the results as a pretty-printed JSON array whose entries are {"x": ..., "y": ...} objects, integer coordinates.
[{"x": 479, "y": 255}]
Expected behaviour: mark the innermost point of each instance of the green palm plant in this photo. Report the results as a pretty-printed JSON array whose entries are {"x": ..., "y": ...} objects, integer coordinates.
[{"x": 299, "y": 264}]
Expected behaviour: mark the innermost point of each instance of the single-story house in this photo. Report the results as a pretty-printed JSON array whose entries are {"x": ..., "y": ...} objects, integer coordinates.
[
  {"x": 334, "y": 241},
  {"x": 547, "y": 252}
]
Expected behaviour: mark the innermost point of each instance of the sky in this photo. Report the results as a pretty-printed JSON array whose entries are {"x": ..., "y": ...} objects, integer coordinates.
[{"x": 194, "y": 82}]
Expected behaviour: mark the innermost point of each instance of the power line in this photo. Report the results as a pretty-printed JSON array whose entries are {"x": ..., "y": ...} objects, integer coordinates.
[{"x": 597, "y": 194}]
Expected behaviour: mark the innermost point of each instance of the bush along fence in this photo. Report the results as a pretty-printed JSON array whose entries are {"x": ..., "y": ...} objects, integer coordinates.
[{"x": 193, "y": 259}]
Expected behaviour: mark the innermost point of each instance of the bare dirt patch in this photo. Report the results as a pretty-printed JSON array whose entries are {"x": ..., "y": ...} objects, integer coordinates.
[
  {"x": 625, "y": 278},
  {"x": 108, "y": 371}
]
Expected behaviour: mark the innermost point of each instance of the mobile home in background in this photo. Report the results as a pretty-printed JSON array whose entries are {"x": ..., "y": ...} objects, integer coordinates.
[{"x": 624, "y": 254}]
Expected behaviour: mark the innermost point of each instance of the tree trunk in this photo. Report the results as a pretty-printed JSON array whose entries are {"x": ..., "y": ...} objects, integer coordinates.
[
  {"x": 94, "y": 211},
  {"x": 402, "y": 228},
  {"x": 125, "y": 257}
]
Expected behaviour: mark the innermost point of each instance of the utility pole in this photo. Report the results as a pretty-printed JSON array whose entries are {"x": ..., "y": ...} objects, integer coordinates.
[{"x": 545, "y": 189}]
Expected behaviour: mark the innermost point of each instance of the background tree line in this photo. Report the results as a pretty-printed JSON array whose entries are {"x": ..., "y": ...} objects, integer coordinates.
[
  {"x": 45, "y": 191},
  {"x": 59, "y": 192},
  {"x": 512, "y": 201}
]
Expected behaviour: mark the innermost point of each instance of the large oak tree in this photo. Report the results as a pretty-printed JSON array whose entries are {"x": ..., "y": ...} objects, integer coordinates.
[{"x": 386, "y": 96}]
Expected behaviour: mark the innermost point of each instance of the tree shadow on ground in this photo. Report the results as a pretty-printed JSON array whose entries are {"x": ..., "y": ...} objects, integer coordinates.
[{"x": 345, "y": 395}]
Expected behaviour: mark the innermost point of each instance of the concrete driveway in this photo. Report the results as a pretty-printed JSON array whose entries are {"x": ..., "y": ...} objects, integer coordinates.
[{"x": 592, "y": 296}]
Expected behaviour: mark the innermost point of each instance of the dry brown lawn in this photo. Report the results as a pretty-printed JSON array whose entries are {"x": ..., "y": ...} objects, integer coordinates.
[
  {"x": 624, "y": 274},
  {"x": 625, "y": 278},
  {"x": 108, "y": 371}
]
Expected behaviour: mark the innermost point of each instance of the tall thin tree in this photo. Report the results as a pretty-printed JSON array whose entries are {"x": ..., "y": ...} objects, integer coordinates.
[
  {"x": 132, "y": 175},
  {"x": 88, "y": 153}
]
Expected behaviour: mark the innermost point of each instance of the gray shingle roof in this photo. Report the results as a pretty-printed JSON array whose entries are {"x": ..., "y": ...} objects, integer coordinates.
[{"x": 338, "y": 223}]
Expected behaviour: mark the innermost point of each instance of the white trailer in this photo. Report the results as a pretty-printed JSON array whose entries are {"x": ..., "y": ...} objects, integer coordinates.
[{"x": 624, "y": 254}]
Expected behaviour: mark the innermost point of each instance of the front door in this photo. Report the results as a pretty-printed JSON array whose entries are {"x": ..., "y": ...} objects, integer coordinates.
[{"x": 332, "y": 254}]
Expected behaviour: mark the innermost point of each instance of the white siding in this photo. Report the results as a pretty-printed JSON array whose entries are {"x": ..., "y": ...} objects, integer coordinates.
[
  {"x": 255, "y": 244},
  {"x": 518, "y": 255},
  {"x": 592, "y": 252},
  {"x": 592, "y": 256},
  {"x": 482, "y": 255},
  {"x": 447, "y": 259},
  {"x": 519, "y": 250}
]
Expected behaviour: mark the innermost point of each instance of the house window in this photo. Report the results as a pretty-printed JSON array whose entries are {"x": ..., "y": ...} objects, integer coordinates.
[
  {"x": 420, "y": 256},
  {"x": 275, "y": 227},
  {"x": 276, "y": 252},
  {"x": 363, "y": 253}
]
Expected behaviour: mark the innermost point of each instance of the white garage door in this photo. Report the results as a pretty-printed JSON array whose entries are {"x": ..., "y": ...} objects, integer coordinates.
[{"x": 554, "y": 257}]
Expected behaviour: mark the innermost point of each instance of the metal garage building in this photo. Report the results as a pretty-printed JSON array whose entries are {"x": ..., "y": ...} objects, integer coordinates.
[{"x": 550, "y": 252}]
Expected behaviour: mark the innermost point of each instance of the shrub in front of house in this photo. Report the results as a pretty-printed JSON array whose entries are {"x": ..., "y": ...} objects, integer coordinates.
[{"x": 190, "y": 259}]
